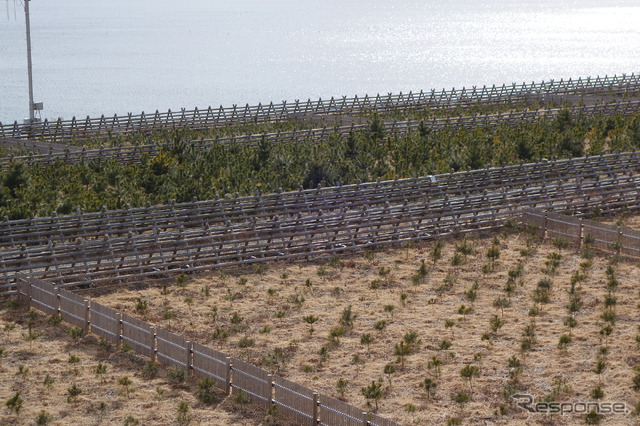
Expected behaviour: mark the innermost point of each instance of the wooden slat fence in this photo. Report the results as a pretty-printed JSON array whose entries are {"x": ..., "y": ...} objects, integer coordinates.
[
  {"x": 290, "y": 237},
  {"x": 567, "y": 227},
  {"x": 336, "y": 412},
  {"x": 376, "y": 420},
  {"x": 255, "y": 382},
  {"x": 576, "y": 229},
  {"x": 74, "y": 309},
  {"x": 171, "y": 217},
  {"x": 133, "y": 154},
  {"x": 221, "y": 117},
  {"x": 213, "y": 364},
  {"x": 173, "y": 349},
  {"x": 630, "y": 241},
  {"x": 603, "y": 234},
  {"x": 139, "y": 334},
  {"x": 296, "y": 402},
  {"x": 44, "y": 297},
  {"x": 105, "y": 323}
]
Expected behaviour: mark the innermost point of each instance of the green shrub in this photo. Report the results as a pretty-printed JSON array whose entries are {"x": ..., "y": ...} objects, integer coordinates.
[
  {"x": 43, "y": 418},
  {"x": 241, "y": 398},
  {"x": 72, "y": 393},
  {"x": 15, "y": 403},
  {"x": 131, "y": 421},
  {"x": 245, "y": 342},
  {"x": 150, "y": 370},
  {"x": 341, "y": 386},
  {"x": 207, "y": 391},
  {"x": 373, "y": 392},
  {"x": 177, "y": 374},
  {"x": 182, "y": 414},
  {"x": 55, "y": 319}
]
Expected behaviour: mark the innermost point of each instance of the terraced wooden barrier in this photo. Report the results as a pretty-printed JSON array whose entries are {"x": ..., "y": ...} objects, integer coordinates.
[
  {"x": 262, "y": 208},
  {"x": 67, "y": 130},
  {"x": 133, "y": 154},
  {"x": 298, "y": 231}
]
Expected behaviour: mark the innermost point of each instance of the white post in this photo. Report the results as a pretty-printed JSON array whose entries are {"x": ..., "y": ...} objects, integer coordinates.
[{"x": 28, "y": 26}]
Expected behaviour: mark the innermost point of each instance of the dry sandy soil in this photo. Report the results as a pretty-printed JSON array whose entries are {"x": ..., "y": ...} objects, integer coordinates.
[
  {"x": 270, "y": 307},
  {"x": 102, "y": 399}
]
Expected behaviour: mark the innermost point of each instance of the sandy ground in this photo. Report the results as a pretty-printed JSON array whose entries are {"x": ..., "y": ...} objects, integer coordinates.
[
  {"x": 102, "y": 399},
  {"x": 271, "y": 317},
  {"x": 268, "y": 309}
]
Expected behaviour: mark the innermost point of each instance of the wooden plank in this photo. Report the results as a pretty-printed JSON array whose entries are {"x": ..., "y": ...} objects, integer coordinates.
[
  {"x": 253, "y": 381},
  {"x": 139, "y": 334},
  {"x": 295, "y": 401},
  {"x": 213, "y": 364},
  {"x": 336, "y": 412},
  {"x": 105, "y": 322},
  {"x": 172, "y": 349},
  {"x": 74, "y": 309},
  {"x": 376, "y": 420},
  {"x": 43, "y": 296}
]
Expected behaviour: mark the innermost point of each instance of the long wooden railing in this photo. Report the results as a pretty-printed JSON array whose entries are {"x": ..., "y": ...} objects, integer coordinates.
[
  {"x": 205, "y": 236},
  {"x": 263, "y": 207},
  {"x": 132, "y": 154},
  {"x": 88, "y": 128}
]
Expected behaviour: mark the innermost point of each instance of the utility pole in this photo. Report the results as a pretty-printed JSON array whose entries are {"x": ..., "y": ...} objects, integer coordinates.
[{"x": 32, "y": 106}]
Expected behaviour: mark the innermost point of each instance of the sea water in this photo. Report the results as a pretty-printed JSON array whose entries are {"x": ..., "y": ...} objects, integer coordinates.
[{"x": 117, "y": 56}]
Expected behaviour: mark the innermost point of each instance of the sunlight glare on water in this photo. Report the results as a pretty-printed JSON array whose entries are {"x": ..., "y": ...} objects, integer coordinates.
[{"x": 93, "y": 58}]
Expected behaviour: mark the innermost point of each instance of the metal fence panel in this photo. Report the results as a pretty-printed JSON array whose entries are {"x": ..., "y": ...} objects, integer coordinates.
[
  {"x": 295, "y": 401},
  {"x": 255, "y": 381},
  {"x": 105, "y": 322},
  {"x": 73, "y": 308},
  {"x": 172, "y": 349},
  {"x": 211, "y": 363},
  {"x": 139, "y": 334},
  {"x": 336, "y": 412},
  {"x": 44, "y": 296}
]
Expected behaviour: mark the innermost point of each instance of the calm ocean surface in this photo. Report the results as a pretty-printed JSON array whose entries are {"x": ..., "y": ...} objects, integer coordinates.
[{"x": 117, "y": 56}]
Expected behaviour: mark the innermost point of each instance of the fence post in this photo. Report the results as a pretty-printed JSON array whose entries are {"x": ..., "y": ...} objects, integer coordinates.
[
  {"x": 227, "y": 377},
  {"x": 29, "y": 297},
  {"x": 580, "y": 236},
  {"x": 270, "y": 384},
  {"x": 315, "y": 408},
  {"x": 119, "y": 339},
  {"x": 152, "y": 344},
  {"x": 619, "y": 235},
  {"x": 365, "y": 418},
  {"x": 188, "y": 350},
  {"x": 57, "y": 290},
  {"x": 85, "y": 302}
]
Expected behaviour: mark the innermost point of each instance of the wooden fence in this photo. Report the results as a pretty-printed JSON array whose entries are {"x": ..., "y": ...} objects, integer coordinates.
[
  {"x": 88, "y": 128},
  {"x": 138, "y": 244},
  {"x": 295, "y": 401},
  {"x": 133, "y": 154},
  {"x": 577, "y": 229},
  {"x": 55, "y": 230}
]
